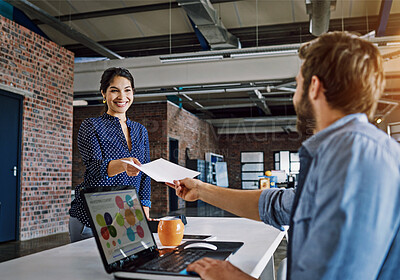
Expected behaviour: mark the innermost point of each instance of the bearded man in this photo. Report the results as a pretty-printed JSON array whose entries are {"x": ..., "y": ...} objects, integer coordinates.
[{"x": 344, "y": 214}]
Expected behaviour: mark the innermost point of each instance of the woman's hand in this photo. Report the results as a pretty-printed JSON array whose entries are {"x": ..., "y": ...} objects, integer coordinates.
[
  {"x": 131, "y": 170},
  {"x": 117, "y": 166}
]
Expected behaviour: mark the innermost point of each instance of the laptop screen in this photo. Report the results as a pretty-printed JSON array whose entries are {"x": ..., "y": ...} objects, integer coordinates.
[{"x": 119, "y": 222}]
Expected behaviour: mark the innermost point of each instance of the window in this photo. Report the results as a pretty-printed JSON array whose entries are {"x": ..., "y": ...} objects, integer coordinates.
[
  {"x": 252, "y": 167},
  {"x": 394, "y": 130},
  {"x": 288, "y": 161}
]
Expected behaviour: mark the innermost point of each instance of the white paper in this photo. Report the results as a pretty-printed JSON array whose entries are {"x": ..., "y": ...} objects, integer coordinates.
[{"x": 162, "y": 170}]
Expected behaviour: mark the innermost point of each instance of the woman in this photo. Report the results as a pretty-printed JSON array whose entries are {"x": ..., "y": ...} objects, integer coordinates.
[{"x": 104, "y": 141}]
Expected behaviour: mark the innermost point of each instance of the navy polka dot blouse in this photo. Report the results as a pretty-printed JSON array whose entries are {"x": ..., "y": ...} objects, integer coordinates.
[{"x": 101, "y": 140}]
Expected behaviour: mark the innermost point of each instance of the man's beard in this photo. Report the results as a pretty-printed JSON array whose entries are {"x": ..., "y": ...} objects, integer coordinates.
[{"x": 306, "y": 122}]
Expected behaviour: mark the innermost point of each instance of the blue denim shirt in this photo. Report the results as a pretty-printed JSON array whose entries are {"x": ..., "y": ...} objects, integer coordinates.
[{"x": 346, "y": 222}]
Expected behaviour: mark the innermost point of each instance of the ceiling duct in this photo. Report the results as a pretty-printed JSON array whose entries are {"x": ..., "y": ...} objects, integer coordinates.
[
  {"x": 205, "y": 17},
  {"x": 320, "y": 13}
]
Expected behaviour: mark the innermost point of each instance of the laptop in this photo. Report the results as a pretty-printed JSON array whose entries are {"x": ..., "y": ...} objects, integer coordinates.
[{"x": 127, "y": 246}]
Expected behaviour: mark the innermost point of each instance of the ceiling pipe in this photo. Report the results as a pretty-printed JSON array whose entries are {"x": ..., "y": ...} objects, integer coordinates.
[
  {"x": 206, "y": 20},
  {"x": 320, "y": 13}
]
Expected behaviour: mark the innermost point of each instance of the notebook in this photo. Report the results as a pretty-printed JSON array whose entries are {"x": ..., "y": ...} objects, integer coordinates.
[{"x": 126, "y": 244}]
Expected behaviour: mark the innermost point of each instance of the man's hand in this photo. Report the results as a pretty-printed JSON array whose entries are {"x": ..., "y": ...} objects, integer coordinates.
[
  {"x": 188, "y": 189},
  {"x": 131, "y": 170},
  {"x": 210, "y": 269}
]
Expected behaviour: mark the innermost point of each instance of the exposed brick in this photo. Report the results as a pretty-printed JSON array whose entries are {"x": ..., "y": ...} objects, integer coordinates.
[{"x": 46, "y": 157}]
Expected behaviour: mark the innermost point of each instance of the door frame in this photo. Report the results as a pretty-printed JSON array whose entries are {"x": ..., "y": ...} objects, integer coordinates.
[
  {"x": 20, "y": 98},
  {"x": 173, "y": 198}
]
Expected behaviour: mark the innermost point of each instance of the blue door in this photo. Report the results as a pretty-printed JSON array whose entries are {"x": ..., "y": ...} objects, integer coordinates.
[{"x": 10, "y": 131}]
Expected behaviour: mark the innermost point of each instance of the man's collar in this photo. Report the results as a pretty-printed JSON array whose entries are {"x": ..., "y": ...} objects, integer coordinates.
[{"x": 313, "y": 142}]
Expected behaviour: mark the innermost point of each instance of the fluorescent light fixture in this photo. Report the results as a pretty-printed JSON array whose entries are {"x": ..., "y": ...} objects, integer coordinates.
[
  {"x": 198, "y": 104},
  {"x": 208, "y": 91},
  {"x": 79, "y": 103},
  {"x": 267, "y": 53},
  {"x": 187, "y": 97},
  {"x": 393, "y": 44},
  {"x": 190, "y": 58},
  {"x": 287, "y": 89},
  {"x": 226, "y": 106},
  {"x": 271, "y": 119},
  {"x": 244, "y": 89},
  {"x": 223, "y": 85},
  {"x": 155, "y": 94}
]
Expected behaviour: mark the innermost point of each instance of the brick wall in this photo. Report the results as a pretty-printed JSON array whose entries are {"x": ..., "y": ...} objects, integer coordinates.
[
  {"x": 154, "y": 118},
  {"x": 194, "y": 134},
  {"x": 232, "y": 145},
  {"x": 34, "y": 64}
]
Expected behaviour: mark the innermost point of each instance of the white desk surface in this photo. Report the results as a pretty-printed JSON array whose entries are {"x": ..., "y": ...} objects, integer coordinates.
[{"x": 81, "y": 260}]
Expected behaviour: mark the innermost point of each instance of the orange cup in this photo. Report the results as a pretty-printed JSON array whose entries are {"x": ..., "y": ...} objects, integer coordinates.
[{"x": 170, "y": 231}]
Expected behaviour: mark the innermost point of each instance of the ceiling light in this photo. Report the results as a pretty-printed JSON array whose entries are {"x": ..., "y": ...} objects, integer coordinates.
[
  {"x": 378, "y": 120},
  {"x": 79, "y": 103},
  {"x": 393, "y": 44},
  {"x": 187, "y": 97},
  {"x": 287, "y": 89},
  {"x": 198, "y": 104},
  {"x": 244, "y": 89},
  {"x": 190, "y": 58},
  {"x": 267, "y": 53}
]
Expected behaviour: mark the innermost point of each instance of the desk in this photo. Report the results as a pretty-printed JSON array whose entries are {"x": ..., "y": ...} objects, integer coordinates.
[{"x": 81, "y": 260}]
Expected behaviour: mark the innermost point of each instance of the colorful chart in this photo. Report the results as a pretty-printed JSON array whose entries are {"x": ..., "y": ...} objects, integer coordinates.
[{"x": 126, "y": 222}]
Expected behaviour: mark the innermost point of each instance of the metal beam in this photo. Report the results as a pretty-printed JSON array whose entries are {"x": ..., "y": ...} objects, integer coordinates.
[
  {"x": 257, "y": 97},
  {"x": 124, "y": 11},
  {"x": 198, "y": 106},
  {"x": 383, "y": 18},
  {"x": 28, "y": 7}
]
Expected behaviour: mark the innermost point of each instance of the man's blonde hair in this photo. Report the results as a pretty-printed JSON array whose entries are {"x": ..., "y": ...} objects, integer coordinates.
[{"x": 350, "y": 68}]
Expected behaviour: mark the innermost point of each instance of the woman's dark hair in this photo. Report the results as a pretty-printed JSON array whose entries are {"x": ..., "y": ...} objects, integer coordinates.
[
  {"x": 108, "y": 76},
  {"x": 110, "y": 73}
]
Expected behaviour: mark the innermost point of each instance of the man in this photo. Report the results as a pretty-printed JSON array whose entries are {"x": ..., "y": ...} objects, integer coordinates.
[{"x": 344, "y": 215}]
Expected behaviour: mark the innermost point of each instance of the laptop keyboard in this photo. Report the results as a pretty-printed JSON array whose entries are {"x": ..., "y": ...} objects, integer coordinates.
[{"x": 175, "y": 262}]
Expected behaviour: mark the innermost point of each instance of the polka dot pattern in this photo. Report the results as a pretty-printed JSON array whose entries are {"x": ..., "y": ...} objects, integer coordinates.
[{"x": 101, "y": 140}]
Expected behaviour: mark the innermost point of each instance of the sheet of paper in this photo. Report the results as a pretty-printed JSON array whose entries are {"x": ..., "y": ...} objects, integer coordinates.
[{"x": 162, "y": 170}]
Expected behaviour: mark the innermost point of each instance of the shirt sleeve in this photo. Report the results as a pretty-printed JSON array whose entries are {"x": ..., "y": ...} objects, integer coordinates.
[
  {"x": 275, "y": 206},
  {"x": 89, "y": 147},
  {"x": 354, "y": 217},
  {"x": 145, "y": 183}
]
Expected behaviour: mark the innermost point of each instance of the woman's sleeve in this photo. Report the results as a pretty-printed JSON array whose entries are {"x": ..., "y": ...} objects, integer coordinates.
[
  {"x": 145, "y": 183},
  {"x": 90, "y": 149}
]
